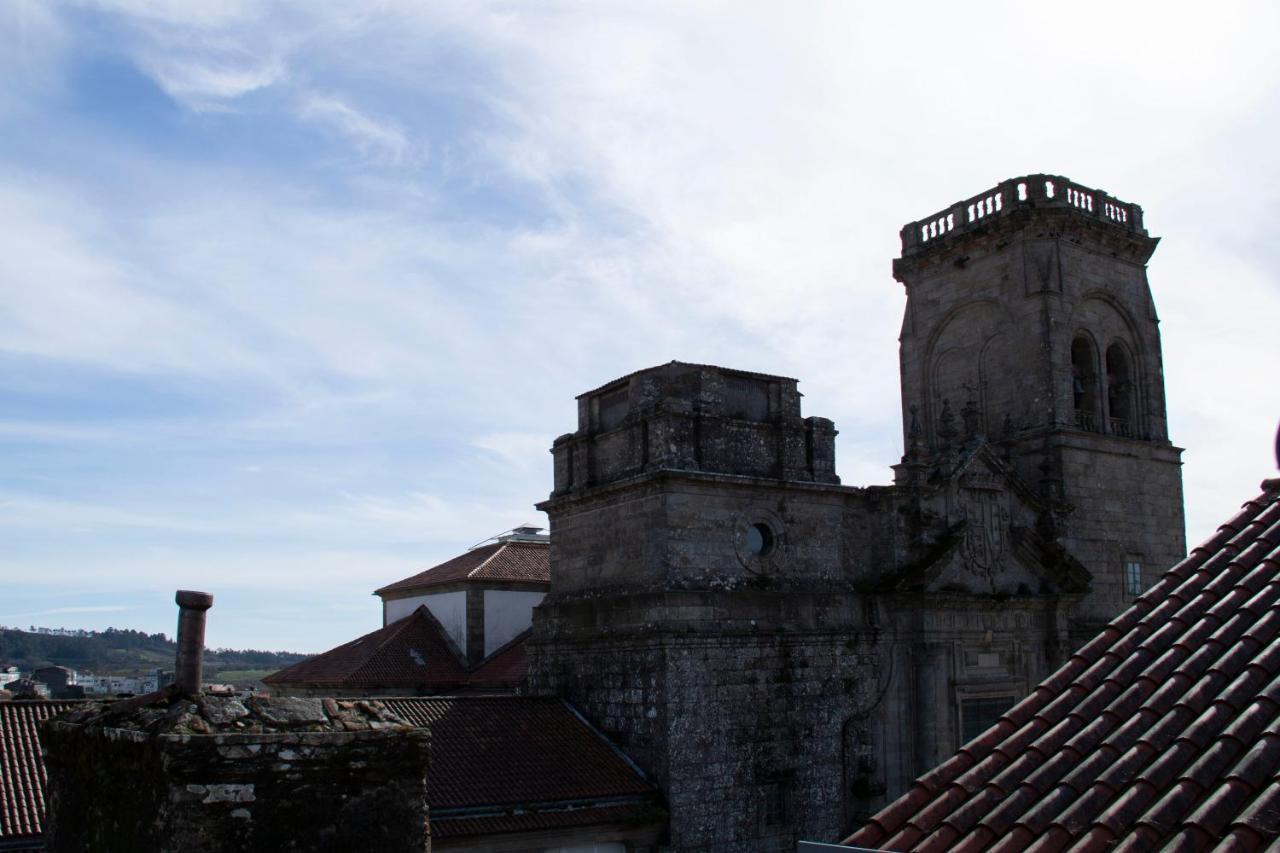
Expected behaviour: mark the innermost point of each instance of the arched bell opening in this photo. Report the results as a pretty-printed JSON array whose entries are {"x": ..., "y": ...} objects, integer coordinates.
[
  {"x": 1121, "y": 411},
  {"x": 1084, "y": 384}
]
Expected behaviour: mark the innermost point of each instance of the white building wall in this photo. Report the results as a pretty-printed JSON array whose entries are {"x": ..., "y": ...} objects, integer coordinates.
[
  {"x": 449, "y": 608},
  {"x": 506, "y": 614}
]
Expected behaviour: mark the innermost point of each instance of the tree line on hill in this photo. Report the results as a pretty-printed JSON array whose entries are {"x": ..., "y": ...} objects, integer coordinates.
[{"x": 122, "y": 651}]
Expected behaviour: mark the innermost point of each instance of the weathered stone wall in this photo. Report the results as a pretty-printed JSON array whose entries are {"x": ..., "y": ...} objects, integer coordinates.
[
  {"x": 726, "y": 699},
  {"x": 222, "y": 775},
  {"x": 689, "y": 417},
  {"x": 1126, "y": 499},
  {"x": 685, "y": 531},
  {"x": 941, "y": 648}
]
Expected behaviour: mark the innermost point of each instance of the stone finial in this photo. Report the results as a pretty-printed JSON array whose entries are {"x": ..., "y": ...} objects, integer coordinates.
[{"x": 914, "y": 444}]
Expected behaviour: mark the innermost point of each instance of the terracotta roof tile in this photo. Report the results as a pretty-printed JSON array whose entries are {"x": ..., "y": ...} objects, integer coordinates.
[
  {"x": 1039, "y": 818},
  {"x": 1001, "y": 819},
  {"x": 1166, "y": 815},
  {"x": 1163, "y": 732},
  {"x": 22, "y": 776},
  {"x": 905, "y": 838},
  {"x": 506, "y": 667},
  {"x": 967, "y": 816},
  {"x": 976, "y": 841},
  {"x": 1016, "y": 840},
  {"x": 942, "y": 775},
  {"x": 941, "y": 806},
  {"x": 1241, "y": 838},
  {"x": 909, "y": 803},
  {"x": 414, "y": 652},
  {"x": 512, "y": 562},
  {"x": 1125, "y": 810},
  {"x": 514, "y": 750},
  {"x": 1221, "y": 807},
  {"x": 1262, "y": 816},
  {"x": 1096, "y": 839},
  {"x": 411, "y": 652},
  {"x": 1171, "y": 762},
  {"x": 1047, "y": 777},
  {"x": 1053, "y": 839},
  {"x": 940, "y": 840}
]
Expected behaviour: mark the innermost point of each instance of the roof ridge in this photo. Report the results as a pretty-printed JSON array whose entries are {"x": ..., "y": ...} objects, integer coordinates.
[
  {"x": 359, "y": 670},
  {"x": 274, "y": 678},
  {"x": 502, "y": 546}
]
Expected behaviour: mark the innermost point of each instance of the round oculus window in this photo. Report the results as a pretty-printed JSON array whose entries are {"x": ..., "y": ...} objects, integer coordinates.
[{"x": 759, "y": 540}]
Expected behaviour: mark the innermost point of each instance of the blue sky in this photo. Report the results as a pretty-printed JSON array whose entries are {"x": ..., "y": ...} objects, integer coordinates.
[{"x": 295, "y": 296}]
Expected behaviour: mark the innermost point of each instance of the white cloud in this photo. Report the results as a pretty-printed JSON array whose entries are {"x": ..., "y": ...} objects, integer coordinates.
[
  {"x": 210, "y": 82},
  {"x": 378, "y": 141},
  {"x": 32, "y": 44}
]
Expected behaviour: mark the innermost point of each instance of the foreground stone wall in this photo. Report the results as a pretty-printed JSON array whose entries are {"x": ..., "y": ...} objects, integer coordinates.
[{"x": 218, "y": 774}]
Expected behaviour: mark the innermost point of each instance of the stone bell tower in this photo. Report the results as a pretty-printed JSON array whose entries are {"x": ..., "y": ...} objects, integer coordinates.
[{"x": 1030, "y": 322}]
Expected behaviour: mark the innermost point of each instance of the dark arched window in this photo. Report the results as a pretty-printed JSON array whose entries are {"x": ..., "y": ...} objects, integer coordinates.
[
  {"x": 1120, "y": 407},
  {"x": 1084, "y": 384}
]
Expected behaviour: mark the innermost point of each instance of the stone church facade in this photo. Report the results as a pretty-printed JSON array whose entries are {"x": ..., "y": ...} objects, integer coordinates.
[{"x": 782, "y": 653}]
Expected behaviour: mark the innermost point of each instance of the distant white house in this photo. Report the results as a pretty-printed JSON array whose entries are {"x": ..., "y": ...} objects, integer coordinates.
[{"x": 111, "y": 685}]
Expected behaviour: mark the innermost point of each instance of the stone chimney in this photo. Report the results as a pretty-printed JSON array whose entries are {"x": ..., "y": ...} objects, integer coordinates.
[
  {"x": 188, "y": 670},
  {"x": 180, "y": 770}
]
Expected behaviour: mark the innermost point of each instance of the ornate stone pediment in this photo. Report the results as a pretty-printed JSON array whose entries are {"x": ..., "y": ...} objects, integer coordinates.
[{"x": 983, "y": 540}]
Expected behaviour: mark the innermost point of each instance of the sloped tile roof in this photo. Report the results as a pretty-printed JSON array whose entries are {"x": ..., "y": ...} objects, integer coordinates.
[
  {"x": 411, "y": 652},
  {"x": 22, "y": 775},
  {"x": 516, "y": 562},
  {"x": 1163, "y": 732},
  {"x": 509, "y": 751},
  {"x": 507, "y": 666}
]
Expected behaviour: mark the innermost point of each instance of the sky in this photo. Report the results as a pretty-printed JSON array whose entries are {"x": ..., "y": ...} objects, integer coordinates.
[{"x": 294, "y": 297}]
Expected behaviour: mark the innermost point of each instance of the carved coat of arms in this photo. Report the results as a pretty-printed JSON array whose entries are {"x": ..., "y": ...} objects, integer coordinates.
[{"x": 984, "y": 507}]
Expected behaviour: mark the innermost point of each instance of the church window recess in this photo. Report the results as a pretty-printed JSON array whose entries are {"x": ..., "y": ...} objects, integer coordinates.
[
  {"x": 1084, "y": 384},
  {"x": 1133, "y": 586},
  {"x": 1120, "y": 408},
  {"x": 981, "y": 713}
]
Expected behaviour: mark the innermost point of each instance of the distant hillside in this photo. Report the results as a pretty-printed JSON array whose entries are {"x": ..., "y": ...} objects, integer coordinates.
[{"x": 117, "y": 651}]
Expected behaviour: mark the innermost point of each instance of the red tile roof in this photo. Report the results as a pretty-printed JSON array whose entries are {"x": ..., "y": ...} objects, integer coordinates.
[
  {"x": 510, "y": 751},
  {"x": 22, "y": 774},
  {"x": 1163, "y": 730},
  {"x": 512, "y": 562},
  {"x": 507, "y": 666},
  {"x": 411, "y": 652}
]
